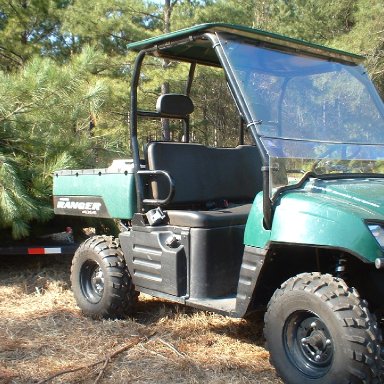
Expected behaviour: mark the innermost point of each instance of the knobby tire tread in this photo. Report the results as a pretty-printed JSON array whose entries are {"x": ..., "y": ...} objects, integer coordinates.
[
  {"x": 362, "y": 330},
  {"x": 123, "y": 296}
]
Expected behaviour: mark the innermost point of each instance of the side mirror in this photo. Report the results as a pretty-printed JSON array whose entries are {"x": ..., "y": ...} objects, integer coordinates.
[{"x": 173, "y": 105}]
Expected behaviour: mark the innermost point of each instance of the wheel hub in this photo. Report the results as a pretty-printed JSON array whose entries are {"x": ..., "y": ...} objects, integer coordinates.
[
  {"x": 309, "y": 344},
  {"x": 92, "y": 281},
  {"x": 316, "y": 346},
  {"x": 98, "y": 281}
]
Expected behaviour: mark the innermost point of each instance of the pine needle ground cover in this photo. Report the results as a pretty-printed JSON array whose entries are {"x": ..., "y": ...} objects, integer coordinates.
[{"x": 46, "y": 339}]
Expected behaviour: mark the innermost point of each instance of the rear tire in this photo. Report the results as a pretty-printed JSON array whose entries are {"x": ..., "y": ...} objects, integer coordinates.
[
  {"x": 100, "y": 280},
  {"x": 319, "y": 331}
]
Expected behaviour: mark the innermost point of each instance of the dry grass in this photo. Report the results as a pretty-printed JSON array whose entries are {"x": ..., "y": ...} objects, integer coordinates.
[{"x": 43, "y": 333}]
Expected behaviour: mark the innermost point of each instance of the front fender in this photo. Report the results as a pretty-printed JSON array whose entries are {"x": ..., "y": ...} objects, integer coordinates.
[
  {"x": 314, "y": 220},
  {"x": 321, "y": 220}
]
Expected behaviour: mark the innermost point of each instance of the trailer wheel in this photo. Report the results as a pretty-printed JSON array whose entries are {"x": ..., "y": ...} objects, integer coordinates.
[
  {"x": 100, "y": 280},
  {"x": 319, "y": 331}
]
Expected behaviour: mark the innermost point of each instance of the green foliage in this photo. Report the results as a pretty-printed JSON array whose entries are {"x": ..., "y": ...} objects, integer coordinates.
[
  {"x": 367, "y": 38},
  {"x": 48, "y": 117},
  {"x": 308, "y": 20},
  {"x": 27, "y": 28},
  {"x": 108, "y": 25}
]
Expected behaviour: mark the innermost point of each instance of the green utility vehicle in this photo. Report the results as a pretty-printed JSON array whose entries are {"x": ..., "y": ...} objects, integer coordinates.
[{"x": 291, "y": 222}]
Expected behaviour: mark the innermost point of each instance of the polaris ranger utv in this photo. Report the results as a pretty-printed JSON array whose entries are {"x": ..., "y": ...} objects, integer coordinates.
[{"x": 292, "y": 222}]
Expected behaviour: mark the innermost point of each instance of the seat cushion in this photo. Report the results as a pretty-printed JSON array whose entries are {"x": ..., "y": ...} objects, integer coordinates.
[{"x": 233, "y": 215}]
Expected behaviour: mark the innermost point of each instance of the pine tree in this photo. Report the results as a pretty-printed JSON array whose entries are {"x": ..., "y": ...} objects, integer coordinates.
[
  {"x": 45, "y": 113},
  {"x": 367, "y": 38},
  {"x": 28, "y": 28},
  {"x": 108, "y": 25}
]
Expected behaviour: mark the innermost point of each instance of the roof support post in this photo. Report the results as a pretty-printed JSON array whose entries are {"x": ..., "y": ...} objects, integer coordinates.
[{"x": 133, "y": 128}]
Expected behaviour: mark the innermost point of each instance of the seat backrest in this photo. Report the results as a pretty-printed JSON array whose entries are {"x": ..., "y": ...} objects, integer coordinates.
[{"x": 204, "y": 174}]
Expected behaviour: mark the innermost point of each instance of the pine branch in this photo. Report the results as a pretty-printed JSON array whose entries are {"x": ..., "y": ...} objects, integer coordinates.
[
  {"x": 136, "y": 340},
  {"x": 13, "y": 53},
  {"x": 146, "y": 13}
]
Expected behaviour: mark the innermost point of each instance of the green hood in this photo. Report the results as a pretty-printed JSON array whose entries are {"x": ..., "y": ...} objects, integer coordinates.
[
  {"x": 364, "y": 197},
  {"x": 332, "y": 213},
  {"x": 361, "y": 197}
]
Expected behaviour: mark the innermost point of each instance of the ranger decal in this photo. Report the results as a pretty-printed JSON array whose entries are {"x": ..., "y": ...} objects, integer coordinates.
[{"x": 80, "y": 205}]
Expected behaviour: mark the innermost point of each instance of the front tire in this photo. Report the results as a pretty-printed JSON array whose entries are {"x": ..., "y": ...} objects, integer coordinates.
[
  {"x": 319, "y": 331},
  {"x": 100, "y": 280}
]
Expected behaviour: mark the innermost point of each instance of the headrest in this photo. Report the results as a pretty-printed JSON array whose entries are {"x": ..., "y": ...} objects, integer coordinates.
[{"x": 174, "y": 105}]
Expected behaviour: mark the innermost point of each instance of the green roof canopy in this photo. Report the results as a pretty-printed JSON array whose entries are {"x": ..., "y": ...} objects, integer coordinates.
[{"x": 196, "y": 48}]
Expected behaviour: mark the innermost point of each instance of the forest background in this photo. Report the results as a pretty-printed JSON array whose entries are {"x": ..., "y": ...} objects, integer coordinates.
[{"x": 65, "y": 73}]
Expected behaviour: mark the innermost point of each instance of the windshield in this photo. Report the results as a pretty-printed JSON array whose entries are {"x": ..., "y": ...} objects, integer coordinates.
[{"x": 310, "y": 114}]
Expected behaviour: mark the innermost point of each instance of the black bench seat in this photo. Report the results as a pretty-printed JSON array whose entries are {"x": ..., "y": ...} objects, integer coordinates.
[
  {"x": 205, "y": 176},
  {"x": 222, "y": 217}
]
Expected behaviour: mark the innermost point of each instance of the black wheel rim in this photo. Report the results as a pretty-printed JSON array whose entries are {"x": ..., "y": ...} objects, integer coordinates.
[
  {"x": 92, "y": 281},
  {"x": 308, "y": 344}
]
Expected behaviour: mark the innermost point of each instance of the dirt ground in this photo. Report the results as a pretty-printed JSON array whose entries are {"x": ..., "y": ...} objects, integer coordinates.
[{"x": 43, "y": 334}]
